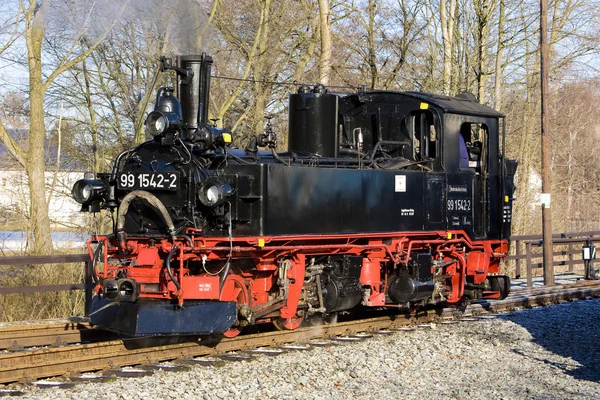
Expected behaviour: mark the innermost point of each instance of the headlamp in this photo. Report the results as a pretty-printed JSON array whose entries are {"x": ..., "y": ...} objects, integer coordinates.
[
  {"x": 120, "y": 290},
  {"x": 157, "y": 123},
  {"x": 111, "y": 289},
  {"x": 213, "y": 192},
  {"x": 86, "y": 191}
]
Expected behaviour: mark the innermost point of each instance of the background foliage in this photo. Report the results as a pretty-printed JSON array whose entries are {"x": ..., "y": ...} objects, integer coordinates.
[{"x": 100, "y": 65}]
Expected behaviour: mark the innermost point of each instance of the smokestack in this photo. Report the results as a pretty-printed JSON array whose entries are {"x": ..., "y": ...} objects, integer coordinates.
[{"x": 194, "y": 96}]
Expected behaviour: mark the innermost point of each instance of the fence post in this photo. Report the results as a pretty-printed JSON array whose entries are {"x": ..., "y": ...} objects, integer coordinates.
[
  {"x": 89, "y": 285},
  {"x": 529, "y": 267},
  {"x": 570, "y": 257},
  {"x": 518, "y": 259}
]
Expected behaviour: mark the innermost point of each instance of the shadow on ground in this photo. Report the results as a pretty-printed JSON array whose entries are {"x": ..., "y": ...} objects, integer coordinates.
[{"x": 570, "y": 330}]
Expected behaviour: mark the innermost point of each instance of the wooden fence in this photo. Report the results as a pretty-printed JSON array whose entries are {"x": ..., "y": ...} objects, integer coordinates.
[
  {"x": 87, "y": 284},
  {"x": 526, "y": 251}
]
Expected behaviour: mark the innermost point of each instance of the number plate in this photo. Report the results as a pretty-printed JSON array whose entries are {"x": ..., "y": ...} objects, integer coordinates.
[{"x": 148, "y": 181}]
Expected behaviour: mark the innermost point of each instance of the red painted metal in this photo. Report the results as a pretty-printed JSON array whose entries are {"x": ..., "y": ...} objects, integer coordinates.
[
  {"x": 235, "y": 289},
  {"x": 295, "y": 277},
  {"x": 257, "y": 262},
  {"x": 289, "y": 323},
  {"x": 199, "y": 287}
]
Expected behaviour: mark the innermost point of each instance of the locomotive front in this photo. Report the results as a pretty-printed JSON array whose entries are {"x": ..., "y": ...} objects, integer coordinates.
[{"x": 158, "y": 190}]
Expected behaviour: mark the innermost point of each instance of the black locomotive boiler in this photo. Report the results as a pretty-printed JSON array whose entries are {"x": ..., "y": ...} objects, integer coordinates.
[{"x": 383, "y": 199}]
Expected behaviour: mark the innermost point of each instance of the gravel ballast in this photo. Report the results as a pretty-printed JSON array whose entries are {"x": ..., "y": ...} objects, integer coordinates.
[{"x": 546, "y": 353}]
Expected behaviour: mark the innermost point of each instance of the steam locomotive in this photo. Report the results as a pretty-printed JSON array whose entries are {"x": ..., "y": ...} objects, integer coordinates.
[{"x": 383, "y": 200}]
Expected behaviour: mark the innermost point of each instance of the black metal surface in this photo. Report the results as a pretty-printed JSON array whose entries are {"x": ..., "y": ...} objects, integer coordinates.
[
  {"x": 403, "y": 289},
  {"x": 273, "y": 199},
  {"x": 341, "y": 283},
  {"x": 194, "y": 96},
  {"x": 508, "y": 194},
  {"x": 457, "y": 105},
  {"x": 313, "y": 124},
  {"x": 500, "y": 283},
  {"x": 421, "y": 266},
  {"x": 152, "y": 158},
  {"x": 148, "y": 318},
  {"x": 312, "y": 200},
  {"x": 89, "y": 286}
]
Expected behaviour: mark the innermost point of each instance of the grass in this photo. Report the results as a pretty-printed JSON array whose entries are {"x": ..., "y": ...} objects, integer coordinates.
[{"x": 45, "y": 305}]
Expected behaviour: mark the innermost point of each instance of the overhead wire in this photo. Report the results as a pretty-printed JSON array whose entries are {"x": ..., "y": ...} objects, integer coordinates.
[{"x": 285, "y": 83}]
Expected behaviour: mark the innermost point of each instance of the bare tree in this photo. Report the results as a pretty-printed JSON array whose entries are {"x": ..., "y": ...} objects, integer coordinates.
[
  {"x": 447, "y": 12},
  {"x": 326, "y": 44},
  {"x": 34, "y": 17},
  {"x": 498, "y": 76},
  {"x": 484, "y": 10}
]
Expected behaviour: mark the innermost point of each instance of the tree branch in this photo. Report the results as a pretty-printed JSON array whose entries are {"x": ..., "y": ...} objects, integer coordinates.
[{"x": 68, "y": 64}]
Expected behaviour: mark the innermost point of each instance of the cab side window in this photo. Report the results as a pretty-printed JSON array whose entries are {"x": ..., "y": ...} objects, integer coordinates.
[
  {"x": 423, "y": 134},
  {"x": 473, "y": 146}
]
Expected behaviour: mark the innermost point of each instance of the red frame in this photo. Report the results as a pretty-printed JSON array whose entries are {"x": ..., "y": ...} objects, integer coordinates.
[{"x": 473, "y": 259}]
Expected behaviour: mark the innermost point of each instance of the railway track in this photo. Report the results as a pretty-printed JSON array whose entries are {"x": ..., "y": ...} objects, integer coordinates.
[
  {"x": 77, "y": 347},
  {"x": 54, "y": 334}
]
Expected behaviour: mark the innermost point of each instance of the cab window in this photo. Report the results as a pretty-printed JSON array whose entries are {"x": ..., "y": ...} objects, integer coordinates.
[
  {"x": 424, "y": 135},
  {"x": 473, "y": 146}
]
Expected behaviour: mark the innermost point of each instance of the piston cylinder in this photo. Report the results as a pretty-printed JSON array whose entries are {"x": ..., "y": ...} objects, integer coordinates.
[{"x": 403, "y": 289}]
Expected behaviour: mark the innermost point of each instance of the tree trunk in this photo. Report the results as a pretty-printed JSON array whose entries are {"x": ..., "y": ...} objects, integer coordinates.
[
  {"x": 372, "y": 50},
  {"x": 35, "y": 167},
  {"x": 483, "y": 11},
  {"x": 499, "y": 71},
  {"x": 92, "y": 113},
  {"x": 325, "y": 62},
  {"x": 447, "y": 20},
  {"x": 260, "y": 95}
]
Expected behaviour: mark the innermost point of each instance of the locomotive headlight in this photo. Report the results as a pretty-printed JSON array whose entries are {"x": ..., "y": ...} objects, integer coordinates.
[
  {"x": 213, "y": 192},
  {"x": 156, "y": 123},
  {"x": 213, "y": 195},
  {"x": 85, "y": 191}
]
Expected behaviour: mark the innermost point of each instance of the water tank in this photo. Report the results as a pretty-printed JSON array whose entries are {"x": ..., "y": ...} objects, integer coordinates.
[{"x": 313, "y": 122}]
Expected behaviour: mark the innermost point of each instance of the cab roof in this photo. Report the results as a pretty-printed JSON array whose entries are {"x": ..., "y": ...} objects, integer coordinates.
[{"x": 464, "y": 103}]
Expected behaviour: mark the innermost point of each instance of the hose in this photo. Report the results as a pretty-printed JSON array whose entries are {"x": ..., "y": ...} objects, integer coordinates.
[
  {"x": 228, "y": 263},
  {"x": 276, "y": 156},
  {"x": 168, "y": 266},
  {"x": 153, "y": 201},
  {"x": 188, "y": 239},
  {"x": 95, "y": 260}
]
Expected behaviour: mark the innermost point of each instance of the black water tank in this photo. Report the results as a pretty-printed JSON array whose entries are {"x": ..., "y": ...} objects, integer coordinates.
[{"x": 313, "y": 122}]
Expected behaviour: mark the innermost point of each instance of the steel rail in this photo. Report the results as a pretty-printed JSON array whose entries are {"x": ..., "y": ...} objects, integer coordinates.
[
  {"x": 55, "y": 334},
  {"x": 108, "y": 355}
]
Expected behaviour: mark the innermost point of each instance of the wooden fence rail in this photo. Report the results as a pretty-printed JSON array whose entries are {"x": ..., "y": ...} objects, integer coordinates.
[
  {"x": 87, "y": 285},
  {"x": 566, "y": 251}
]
